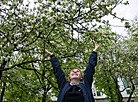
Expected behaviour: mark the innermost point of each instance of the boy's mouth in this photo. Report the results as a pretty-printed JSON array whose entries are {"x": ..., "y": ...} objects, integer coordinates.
[{"x": 74, "y": 74}]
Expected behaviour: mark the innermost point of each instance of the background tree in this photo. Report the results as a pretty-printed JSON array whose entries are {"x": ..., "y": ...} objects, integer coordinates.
[
  {"x": 133, "y": 35},
  {"x": 117, "y": 61}
]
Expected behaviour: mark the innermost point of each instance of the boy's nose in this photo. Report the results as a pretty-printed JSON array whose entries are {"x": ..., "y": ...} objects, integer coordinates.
[{"x": 75, "y": 71}]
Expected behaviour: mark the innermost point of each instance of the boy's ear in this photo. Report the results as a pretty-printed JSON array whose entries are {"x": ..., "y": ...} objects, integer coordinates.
[{"x": 69, "y": 79}]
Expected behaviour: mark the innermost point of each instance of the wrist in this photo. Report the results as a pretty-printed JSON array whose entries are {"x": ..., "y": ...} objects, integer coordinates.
[
  {"x": 50, "y": 54},
  {"x": 95, "y": 50}
]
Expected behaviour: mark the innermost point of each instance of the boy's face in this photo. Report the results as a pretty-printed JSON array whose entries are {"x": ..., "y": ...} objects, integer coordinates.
[{"x": 75, "y": 74}]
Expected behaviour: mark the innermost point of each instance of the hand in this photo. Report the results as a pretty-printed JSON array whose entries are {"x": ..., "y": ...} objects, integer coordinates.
[
  {"x": 48, "y": 52},
  {"x": 96, "y": 47}
]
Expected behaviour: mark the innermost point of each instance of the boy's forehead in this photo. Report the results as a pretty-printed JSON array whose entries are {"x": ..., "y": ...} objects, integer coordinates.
[{"x": 75, "y": 69}]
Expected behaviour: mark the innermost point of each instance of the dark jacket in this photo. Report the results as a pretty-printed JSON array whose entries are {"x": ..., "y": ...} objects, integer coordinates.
[{"x": 64, "y": 85}]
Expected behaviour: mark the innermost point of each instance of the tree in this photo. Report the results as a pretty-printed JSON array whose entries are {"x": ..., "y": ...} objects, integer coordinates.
[
  {"x": 118, "y": 60},
  {"x": 62, "y": 26},
  {"x": 133, "y": 35}
]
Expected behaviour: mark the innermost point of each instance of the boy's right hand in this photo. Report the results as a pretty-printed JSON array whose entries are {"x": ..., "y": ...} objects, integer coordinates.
[{"x": 48, "y": 52}]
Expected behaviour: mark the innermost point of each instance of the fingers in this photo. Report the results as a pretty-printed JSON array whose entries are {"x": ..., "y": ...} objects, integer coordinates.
[
  {"x": 97, "y": 46},
  {"x": 48, "y": 52}
]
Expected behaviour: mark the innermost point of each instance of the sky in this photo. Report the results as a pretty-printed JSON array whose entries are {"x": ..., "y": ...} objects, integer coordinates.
[{"x": 127, "y": 11}]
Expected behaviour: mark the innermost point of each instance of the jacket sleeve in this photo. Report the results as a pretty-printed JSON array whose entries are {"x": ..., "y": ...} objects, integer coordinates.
[
  {"x": 90, "y": 70},
  {"x": 59, "y": 74}
]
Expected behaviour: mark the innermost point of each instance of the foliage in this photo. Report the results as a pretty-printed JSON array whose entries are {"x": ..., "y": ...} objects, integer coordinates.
[
  {"x": 118, "y": 60},
  {"x": 63, "y": 27}
]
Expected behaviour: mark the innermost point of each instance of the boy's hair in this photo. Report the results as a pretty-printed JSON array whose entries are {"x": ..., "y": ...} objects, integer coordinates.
[{"x": 81, "y": 75}]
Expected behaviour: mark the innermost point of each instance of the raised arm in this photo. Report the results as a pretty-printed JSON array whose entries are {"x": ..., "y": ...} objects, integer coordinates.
[
  {"x": 59, "y": 74},
  {"x": 90, "y": 70},
  {"x": 48, "y": 52},
  {"x": 96, "y": 47}
]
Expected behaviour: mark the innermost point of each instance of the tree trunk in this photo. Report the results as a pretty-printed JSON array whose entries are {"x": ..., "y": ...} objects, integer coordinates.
[
  {"x": 2, "y": 67},
  {"x": 44, "y": 96},
  {"x": 2, "y": 93},
  {"x": 111, "y": 93},
  {"x": 120, "y": 98},
  {"x": 133, "y": 88},
  {"x": 119, "y": 95}
]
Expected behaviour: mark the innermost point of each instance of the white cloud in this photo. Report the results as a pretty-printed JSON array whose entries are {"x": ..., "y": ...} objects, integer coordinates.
[{"x": 126, "y": 11}]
